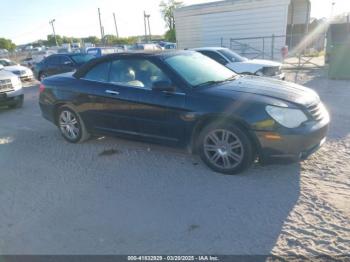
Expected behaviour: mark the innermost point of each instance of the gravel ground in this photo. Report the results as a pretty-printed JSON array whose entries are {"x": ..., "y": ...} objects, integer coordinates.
[{"x": 112, "y": 196}]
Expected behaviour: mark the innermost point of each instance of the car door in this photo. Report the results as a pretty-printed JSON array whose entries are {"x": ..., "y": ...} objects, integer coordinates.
[
  {"x": 52, "y": 65},
  {"x": 66, "y": 64},
  {"x": 156, "y": 114},
  {"x": 106, "y": 106}
]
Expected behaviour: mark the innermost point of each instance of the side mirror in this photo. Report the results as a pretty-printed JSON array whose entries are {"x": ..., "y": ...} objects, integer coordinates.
[
  {"x": 163, "y": 86},
  {"x": 68, "y": 63}
]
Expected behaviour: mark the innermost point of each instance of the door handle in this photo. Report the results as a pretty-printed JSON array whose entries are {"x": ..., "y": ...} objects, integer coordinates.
[{"x": 111, "y": 92}]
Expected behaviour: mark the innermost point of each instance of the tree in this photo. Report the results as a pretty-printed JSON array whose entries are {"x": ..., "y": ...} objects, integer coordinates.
[
  {"x": 113, "y": 40},
  {"x": 91, "y": 39},
  {"x": 7, "y": 44},
  {"x": 51, "y": 41},
  {"x": 170, "y": 35},
  {"x": 167, "y": 10}
]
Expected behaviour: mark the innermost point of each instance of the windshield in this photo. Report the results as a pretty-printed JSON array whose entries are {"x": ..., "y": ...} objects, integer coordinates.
[
  {"x": 82, "y": 59},
  {"x": 232, "y": 56},
  {"x": 198, "y": 69},
  {"x": 7, "y": 63}
]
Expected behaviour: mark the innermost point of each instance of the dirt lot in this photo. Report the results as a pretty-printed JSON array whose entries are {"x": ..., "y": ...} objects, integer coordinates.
[{"x": 112, "y": 196}]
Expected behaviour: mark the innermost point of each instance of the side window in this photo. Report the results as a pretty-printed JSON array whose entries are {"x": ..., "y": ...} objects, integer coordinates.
[
  {"x": 218, "y": 58},
  {"x": 65, "y": 60},
  {"x": 53, "y": 60},
  {"x": 98, "y": 72},
  {"x": 136, "y": 72}
]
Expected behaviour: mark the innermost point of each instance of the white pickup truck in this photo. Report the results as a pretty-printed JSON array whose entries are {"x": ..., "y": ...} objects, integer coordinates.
[{"x": 11, "y": 93}]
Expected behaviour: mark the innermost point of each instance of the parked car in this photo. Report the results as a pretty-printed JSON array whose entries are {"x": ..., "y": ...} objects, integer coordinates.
[
  {"x": 36, "y": 57},
  {"x": 11, "y": 93},
  {"x": 101, "y": 51},
  {"x": 169, "y": 46},
  {"x": 145, "y": 46},
  {"x": 28, "y": 62},
  {"x": 60, "y": 63},
  {"x": 243, "y": 65},
  {"x": 185, "y": 98},
  {"x": 24, "y": 73},
  {"x": 3, "y": 51}
]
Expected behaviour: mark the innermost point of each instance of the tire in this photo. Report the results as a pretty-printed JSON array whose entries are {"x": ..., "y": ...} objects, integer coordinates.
[
  {"x": 225, "y": 148},
  {"x": 42, "y": 76},
  {"x": 19, "y": 104},
  {"x": 71, "y": 125}
]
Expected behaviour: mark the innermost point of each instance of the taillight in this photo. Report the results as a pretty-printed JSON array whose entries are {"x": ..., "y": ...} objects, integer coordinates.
[{"x": 41, "y": 88}]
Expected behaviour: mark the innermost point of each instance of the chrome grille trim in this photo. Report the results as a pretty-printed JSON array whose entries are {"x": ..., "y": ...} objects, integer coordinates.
[
  {"x": 317, "y": 111},
  {"x": 6, "y": 85}
]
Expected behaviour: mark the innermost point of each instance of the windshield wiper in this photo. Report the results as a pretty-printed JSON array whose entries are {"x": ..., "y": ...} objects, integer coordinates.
[
  {"x": 234, "y": 77},
  {"x": 209, "y": 83},
  {"x": 212, "y": 82}
]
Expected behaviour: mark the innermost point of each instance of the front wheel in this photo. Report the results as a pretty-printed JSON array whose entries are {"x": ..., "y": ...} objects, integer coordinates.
[
  {"x": 225, "y": 148},
  {"x": 71, "y": 126},
  {"x": 18, "y": 104}
]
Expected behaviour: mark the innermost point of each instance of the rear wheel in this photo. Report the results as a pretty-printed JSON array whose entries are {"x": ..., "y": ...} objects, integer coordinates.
[
  {"x": 71, "y": 125},
  {"x": 225, "y": 148},
  {"x": 42, "y": 76}
]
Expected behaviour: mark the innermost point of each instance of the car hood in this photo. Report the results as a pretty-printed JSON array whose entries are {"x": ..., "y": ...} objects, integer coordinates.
[
  {"x": 6, "y": 74},
  {"x": 281, "y": 90},
  {"x": 264, "y": 63},
  {"x": 251, "y": 66},
  {"x": 16, "y": 68}
]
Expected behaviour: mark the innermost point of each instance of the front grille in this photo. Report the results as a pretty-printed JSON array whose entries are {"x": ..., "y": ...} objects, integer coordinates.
[
  {"x": 5, "y": 85},
  {"x": 271, "y": 71},
  {"x": 317, "y": 112}
]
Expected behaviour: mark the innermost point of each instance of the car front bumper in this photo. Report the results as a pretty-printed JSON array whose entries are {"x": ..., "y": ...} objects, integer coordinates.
[
  {"x": 26, "y": 77},
  {"x": 11, "y": 98},
  {"x": 292, "y": 145}
]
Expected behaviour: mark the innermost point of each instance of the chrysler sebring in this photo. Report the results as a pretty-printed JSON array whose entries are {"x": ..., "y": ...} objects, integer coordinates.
[{"x": 183, "y": 98}]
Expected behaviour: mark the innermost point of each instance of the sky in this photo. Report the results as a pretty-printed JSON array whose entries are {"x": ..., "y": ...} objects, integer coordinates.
[{"x": 26, "y": 21}]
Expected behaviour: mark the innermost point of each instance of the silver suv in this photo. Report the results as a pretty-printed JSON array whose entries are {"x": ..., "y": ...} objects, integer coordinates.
[{"x": 11, "y": 93}]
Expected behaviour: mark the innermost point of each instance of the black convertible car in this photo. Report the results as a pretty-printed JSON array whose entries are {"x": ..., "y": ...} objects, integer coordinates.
[{"x": 186, "y": 99}]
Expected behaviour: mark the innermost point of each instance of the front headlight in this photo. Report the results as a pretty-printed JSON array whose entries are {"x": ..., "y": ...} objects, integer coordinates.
[
  {"x": 16, "y": 83},
  {"x": 287, "y": 117}
]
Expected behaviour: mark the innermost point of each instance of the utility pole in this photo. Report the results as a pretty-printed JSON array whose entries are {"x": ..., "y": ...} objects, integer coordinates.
[
  {"x": 101, "y": 28},
  {"x": 144, "y": 21},
  {"x": 115, "y": 24},
  {"x": 332, "y": 9},
  {"x": 53, "y": 29},
  {"x": 149, "y": 28}
]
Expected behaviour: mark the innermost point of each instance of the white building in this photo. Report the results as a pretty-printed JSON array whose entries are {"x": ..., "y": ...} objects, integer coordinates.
[{"x": 246, "y": 26}]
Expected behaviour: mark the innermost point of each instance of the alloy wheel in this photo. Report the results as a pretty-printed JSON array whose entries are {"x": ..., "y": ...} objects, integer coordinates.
[
  {"x": 223, "y": 149},
  {"x": 69, "y": 125}
]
